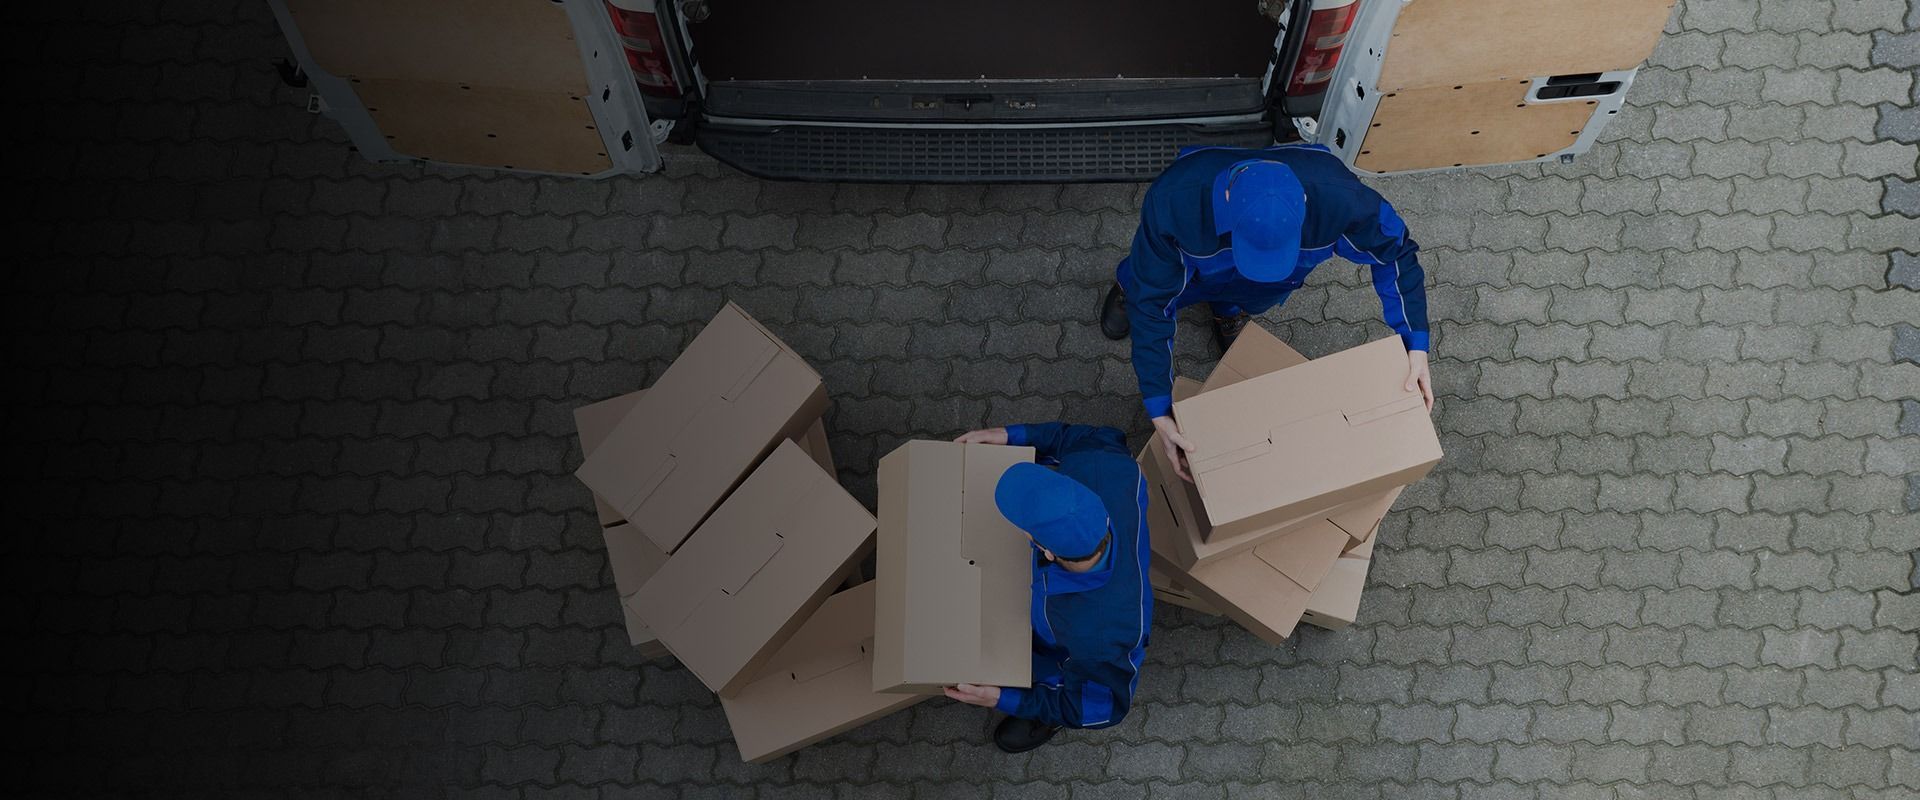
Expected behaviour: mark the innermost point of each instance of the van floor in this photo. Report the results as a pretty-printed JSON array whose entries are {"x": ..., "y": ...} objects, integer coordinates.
[{"x": 994, "y": 39}]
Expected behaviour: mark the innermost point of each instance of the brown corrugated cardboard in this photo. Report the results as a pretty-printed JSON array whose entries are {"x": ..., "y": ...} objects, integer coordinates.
[
  {"x": 1177, "y": 534},
  {"x": 952, "y": 574},
  {"x": 639, "y": 635},
  {"x": 820, "y": 683},
  {"x": 742, "y": 583},
  {"x": 634, "y": 560},
  {"x": 1166, "y": 589},
  {"x": 1266, "y": 590},
  {"x": 594, "y": 421},
  {"x": 815, "y": 443},
  {"x": 1255, "y": 352},
  {"x": 1336, "y": 603},
  {"x": 1362, "y": 549},
  {"x": 734, "y": 393},
  {"x": 1361, "y": 519},
  {"x": 632, "y": 556},
  {"x": 1350, "y": 410},
  {"x": 1184, "y": 388}
]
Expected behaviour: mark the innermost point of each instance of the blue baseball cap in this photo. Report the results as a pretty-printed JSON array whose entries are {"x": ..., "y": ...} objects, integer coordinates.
[
  {"x": 1060, "y": 513},
  {"x": 1263, "y": 205}
]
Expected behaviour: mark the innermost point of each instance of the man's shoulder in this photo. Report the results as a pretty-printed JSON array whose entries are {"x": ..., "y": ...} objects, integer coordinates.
[{"x": 1110, "y": 473}]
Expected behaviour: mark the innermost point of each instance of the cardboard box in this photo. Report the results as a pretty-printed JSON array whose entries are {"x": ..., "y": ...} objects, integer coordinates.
[
  {"x": 1336, "y": 602},
  {"x": 1363, "y": 549},
  {"x": 1177, "y": 521},
  {"x": 953, "y": 575},
  {"x": 814, "y": 441},
  {"x": 631, "y": 555},
  {"x": 1254, "y": 353},
  {"x": 1267, "y": 589},
  {"x": 634, "y": 560},
  {"x": 1160, "y": 518},
  {"x": 817, "y": 685},
  {"x": 594, "y": 421},
  {"x": 1167, "y": 590},
  {"x": 1191, "y": 539},
  {"x": 769, "y": 555},
  {"x": 727, "y": 400},
  {"x": 1246, "y": 589},
  {"x": 1349, "y": 411}
]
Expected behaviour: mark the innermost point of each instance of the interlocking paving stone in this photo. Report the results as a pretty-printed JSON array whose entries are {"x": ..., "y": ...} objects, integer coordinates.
[{"x": 303, "y": 423}]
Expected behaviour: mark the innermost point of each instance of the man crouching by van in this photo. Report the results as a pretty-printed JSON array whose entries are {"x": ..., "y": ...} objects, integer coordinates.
[{"x": 1085, "y": 514}]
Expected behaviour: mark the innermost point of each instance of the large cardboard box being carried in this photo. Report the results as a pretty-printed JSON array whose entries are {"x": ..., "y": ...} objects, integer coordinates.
[
  {"x": 754, "y": 571},
  {"x": 733, "y": 394},
  {"x": 953, "y": 576},
  {"x": 633, "y": 558},
  {"x": 817, "y": 685},
  {"x": 1190, "y": 538},
  {"x": 1349, "y": 411}
]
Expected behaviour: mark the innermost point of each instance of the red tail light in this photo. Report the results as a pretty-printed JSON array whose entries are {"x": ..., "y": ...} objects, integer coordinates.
[
  {"x": 646, "y": 47},
  {"x": 1327, "y": 32}
]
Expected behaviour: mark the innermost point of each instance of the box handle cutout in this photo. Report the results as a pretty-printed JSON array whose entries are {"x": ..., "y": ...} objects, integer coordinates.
[
  {"x": 1380, "y": 412},
  {"x": 1247, "y": 452},
  {"x": 1167, "y": 499}
]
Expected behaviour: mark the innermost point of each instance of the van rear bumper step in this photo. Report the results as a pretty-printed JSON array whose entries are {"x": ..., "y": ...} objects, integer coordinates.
[{"x": 965, "y": 155}]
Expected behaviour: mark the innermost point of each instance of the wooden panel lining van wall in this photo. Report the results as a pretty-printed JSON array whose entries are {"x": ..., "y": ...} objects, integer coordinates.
[{"x": 1448, "y": 42}]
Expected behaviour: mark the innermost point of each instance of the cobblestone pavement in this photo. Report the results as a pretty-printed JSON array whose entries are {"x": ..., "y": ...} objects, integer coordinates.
[{"x": 293, "y": 432}]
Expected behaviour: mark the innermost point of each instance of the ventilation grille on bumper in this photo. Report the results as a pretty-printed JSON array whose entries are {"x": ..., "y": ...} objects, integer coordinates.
[{"x": 949, "y": 155}]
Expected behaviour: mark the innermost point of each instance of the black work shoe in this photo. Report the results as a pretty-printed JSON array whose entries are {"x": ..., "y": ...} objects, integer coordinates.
[
  {"x": 1113, "y": 314},
  {"x": 1018, "y": 735},
  {"x": 1227, "y": 329}
]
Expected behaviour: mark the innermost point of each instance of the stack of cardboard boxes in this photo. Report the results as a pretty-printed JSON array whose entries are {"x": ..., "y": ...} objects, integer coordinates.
[
  {"x": 728, "y": 533},
  {"x": 1296, "y": 462}
]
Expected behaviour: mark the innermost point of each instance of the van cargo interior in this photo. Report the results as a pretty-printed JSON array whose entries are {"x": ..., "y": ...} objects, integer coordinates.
[
  {"x": 985, "y": 90},
  {"x": 920, "y": 40}
]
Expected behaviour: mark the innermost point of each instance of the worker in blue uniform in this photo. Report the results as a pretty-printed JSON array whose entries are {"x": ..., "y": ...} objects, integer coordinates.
[
  {"x": 1084, "y": 507},
  {"x": 1240, "y": 230}
]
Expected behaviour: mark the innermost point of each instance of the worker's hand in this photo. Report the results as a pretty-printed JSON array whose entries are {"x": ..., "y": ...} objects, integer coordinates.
[
  {"x": 1177, "y": 445},
  {"x": 987, "y": 436},
  {"x": 982, "y": 696},
  {"x": 1418, "y": 375}
]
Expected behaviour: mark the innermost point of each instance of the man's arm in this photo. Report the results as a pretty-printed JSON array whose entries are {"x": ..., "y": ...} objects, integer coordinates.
[
  {"x": 1084, "y": 698},
  {"x": 1378, "y": 238},
  {"x": 1054, "y": 439},
  {"x": 1158, "y": 278}
]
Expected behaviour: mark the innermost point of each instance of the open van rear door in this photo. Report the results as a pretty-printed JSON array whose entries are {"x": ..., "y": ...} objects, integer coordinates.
[
  {"x": 1430, "y": 84},
  {"x": 524, "y": 85}
]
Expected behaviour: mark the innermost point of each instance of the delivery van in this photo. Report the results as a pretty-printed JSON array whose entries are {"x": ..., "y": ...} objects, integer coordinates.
[{"x": 981, "y": 91}]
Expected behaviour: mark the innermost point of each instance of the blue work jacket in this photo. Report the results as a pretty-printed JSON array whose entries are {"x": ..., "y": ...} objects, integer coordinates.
[
  {"x": 1179, "y": 257},
  {"x": 1089, "y": 628}
]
